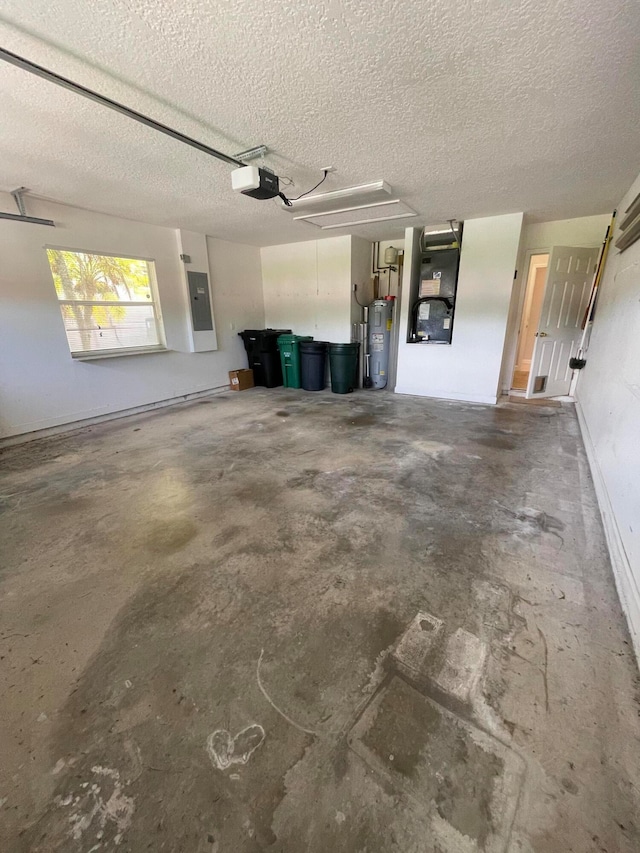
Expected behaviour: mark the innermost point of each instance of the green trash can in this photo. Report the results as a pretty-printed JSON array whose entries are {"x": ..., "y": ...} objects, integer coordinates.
[
  {"x": 289, "y": 346},
  {"x": 343, "y": 360}
]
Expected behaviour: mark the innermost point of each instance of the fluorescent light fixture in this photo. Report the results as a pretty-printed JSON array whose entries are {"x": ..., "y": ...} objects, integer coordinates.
[
  {"x": 361, "y": 214},
  {"x": 369, "y": 193}
]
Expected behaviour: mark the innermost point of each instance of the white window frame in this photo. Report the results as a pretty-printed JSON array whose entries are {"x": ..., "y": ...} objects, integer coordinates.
[{"x": 92, "y": 355}]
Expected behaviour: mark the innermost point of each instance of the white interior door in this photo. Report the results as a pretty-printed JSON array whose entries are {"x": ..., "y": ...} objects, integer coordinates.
[{"x": 569, "y": 279}]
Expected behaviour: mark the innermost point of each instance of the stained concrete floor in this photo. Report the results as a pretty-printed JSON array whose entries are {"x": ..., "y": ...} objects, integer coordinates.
[{"x": 278, "y": 621}]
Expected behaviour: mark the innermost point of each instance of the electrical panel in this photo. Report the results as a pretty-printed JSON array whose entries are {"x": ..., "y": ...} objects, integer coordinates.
[{"x": 201, "y": 315}]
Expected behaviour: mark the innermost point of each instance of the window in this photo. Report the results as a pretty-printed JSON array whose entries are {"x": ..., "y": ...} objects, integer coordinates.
[{"x": 109, "y": 304}]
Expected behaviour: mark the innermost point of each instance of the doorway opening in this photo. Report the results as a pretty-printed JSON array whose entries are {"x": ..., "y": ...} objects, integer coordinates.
[{"x": 533, "y": 299}]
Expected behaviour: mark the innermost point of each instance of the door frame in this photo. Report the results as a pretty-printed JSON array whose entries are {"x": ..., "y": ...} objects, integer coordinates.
[
  {"x": 527, "y": 299},
  {"x": 507, "y": 378}
]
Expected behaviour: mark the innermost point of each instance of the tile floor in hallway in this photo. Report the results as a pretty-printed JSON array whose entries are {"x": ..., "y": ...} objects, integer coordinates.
[{"x": 280, "y": 621}]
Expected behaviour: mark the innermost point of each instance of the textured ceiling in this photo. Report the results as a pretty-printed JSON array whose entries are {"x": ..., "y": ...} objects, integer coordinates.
[{"x": 467, "y": 108}]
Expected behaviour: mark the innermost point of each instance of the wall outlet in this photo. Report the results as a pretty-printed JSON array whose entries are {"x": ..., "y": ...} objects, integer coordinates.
[{"x": 232, "y": 326}]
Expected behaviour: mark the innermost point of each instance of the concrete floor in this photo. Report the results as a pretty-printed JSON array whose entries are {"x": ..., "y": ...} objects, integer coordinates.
[{"x": 279, "y": 621}]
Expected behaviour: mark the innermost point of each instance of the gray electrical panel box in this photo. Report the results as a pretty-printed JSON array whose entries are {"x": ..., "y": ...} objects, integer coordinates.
[{"x": 201, "y": 316}]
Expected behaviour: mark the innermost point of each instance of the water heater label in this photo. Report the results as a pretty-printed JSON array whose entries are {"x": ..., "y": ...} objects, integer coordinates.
[{"x": 377, "y": 342}]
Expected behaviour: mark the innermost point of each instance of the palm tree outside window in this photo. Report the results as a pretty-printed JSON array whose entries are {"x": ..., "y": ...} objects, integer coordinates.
[{"x": 109, "y": 304}]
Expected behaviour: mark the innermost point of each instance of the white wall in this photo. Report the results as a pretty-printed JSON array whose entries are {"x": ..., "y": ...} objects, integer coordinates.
[
  {"x": 541, "y": 237},
  {"x": 608, "y": 404},
  {"x": 41, "y": 386},
  {"x": 236, "y": 286},
  {"x": 307, "y": 288},
  {"x": 468, "y": 369}
]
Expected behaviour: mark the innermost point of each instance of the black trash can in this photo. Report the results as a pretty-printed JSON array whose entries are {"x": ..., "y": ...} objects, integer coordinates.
[
  {"x": 343, "y": 360},
  {"x": 313, "y": 365},
  {"x": 263, "y": 355}
]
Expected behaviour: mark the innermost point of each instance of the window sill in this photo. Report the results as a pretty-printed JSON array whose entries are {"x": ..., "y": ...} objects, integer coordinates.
[{"x": 119, "y": 353}]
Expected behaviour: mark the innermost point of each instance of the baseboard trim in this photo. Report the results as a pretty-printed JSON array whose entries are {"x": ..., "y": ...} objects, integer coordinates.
[
  {"x": 22, "y": 438},
  {"x": 626, "y": 584},
  {"x": 454, "y": 397}
]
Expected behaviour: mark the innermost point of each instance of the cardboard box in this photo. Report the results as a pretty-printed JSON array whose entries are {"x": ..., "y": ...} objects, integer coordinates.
[{"x": 240, "y": 380}]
